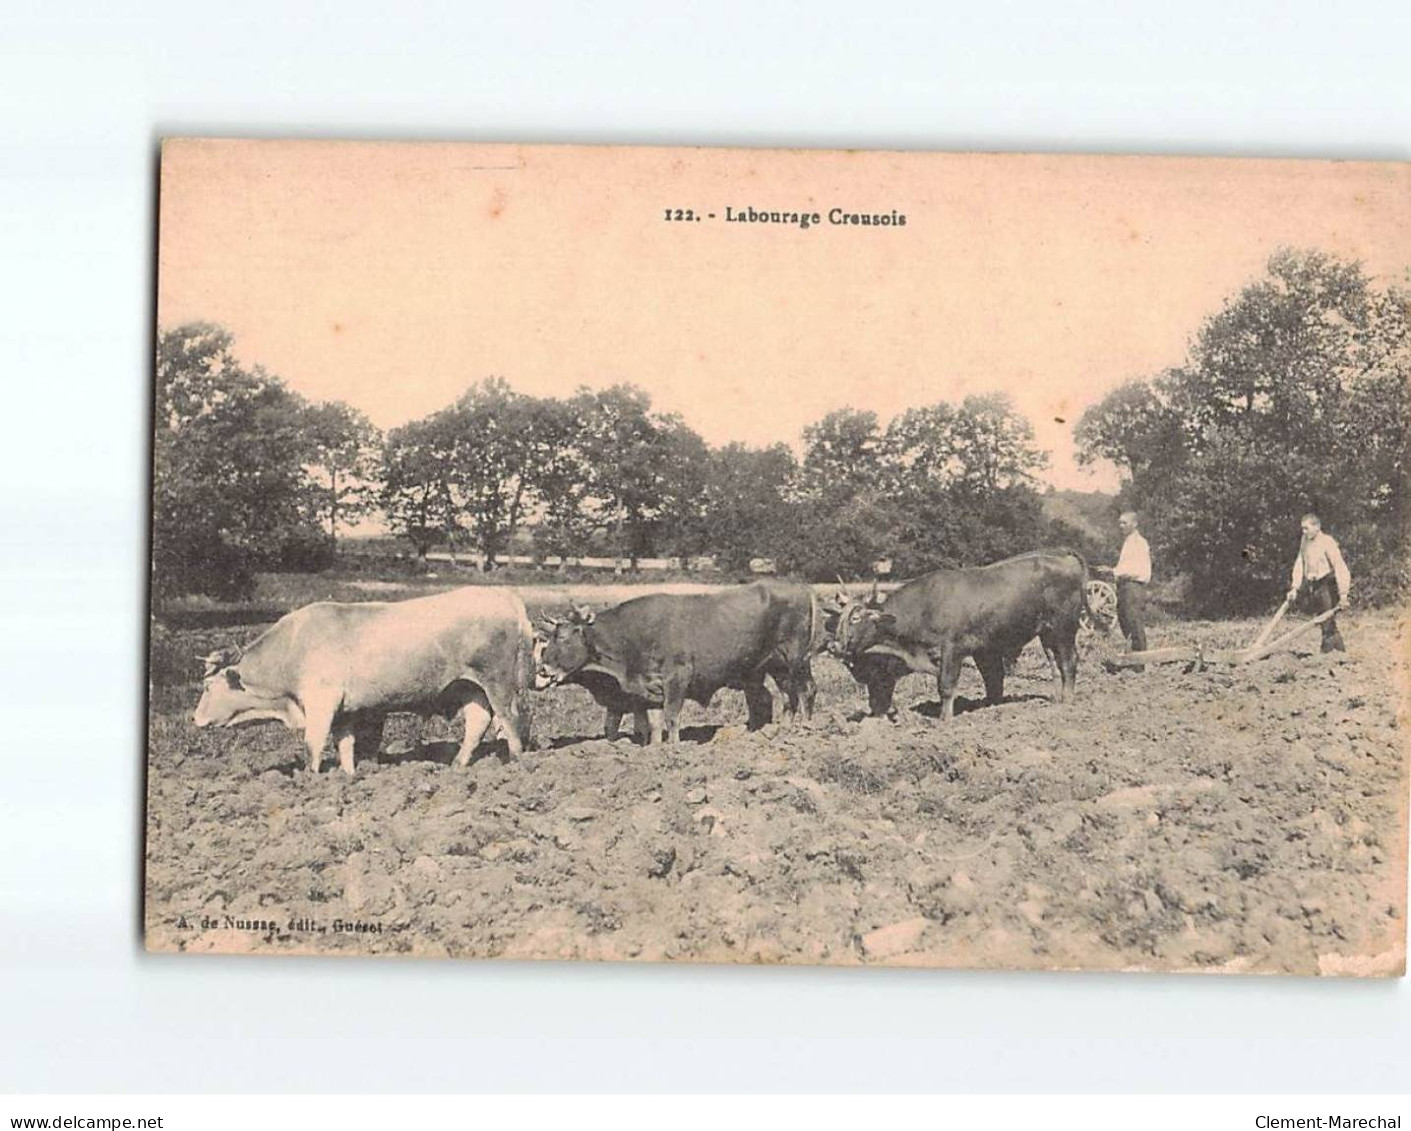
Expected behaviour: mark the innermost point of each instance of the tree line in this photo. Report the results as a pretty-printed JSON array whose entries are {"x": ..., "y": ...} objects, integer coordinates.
[
  {"x": 1294, "y": 397},
  {"x": 248, "y": 475},
  {"x": 601, "y": 472}
]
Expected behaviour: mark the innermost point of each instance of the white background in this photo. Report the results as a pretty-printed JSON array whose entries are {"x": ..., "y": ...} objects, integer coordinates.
[{"x": 85, "y": 91}]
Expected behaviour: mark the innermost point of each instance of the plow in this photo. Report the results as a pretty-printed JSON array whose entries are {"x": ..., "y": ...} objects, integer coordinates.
[{"x": 1198, "y": 658}]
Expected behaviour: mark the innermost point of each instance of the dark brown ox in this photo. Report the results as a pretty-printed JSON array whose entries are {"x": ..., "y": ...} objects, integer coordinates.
[
  {"x": 342, "y": 668},
  {"x": 989, "y": 613},
  {"x": 650, "y": 654}
]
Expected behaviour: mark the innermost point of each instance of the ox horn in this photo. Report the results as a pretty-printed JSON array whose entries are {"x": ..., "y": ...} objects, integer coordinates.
[
  {"x": 842, "y": 594},
  {"x": 220, "y": 658},
  {"x": 582, "y": 614},
  {"x": 872, "y": 596}
]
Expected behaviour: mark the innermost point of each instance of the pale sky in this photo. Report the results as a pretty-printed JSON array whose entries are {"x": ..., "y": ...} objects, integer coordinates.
[{"x": 393, "y": 275}]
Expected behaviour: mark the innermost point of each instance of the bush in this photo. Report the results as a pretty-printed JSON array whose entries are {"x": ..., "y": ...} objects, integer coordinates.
[
  {"x": 1380, "y": 578},
  {"x": 306, "y": 552},
  {"x": 202, "y": 563}
]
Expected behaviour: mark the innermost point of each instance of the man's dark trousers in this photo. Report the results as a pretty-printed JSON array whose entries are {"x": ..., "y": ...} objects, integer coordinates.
[
  {"x": 1322, "y": 596},
  {"x": 1131, "y": 613}
]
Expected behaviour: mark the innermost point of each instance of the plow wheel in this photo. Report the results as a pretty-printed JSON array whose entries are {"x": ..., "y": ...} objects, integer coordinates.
[{"x": 1102, "y": 606}]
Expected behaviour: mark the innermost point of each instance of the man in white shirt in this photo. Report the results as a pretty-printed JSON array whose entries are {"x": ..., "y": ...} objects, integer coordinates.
[
  {"x": 1320, "y": 568},
  {"x": 1132, "y": 574}
]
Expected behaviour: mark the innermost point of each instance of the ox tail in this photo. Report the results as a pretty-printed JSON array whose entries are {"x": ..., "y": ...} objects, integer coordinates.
[
  {"x": 1083, "y": 582},
  {"x": 817, "y": 633},
  {"x": 524, "y": 677}
]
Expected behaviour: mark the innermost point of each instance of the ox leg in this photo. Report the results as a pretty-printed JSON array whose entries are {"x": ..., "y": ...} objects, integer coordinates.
[
  {"x": 477, "y": 715},
  {"x": 510, "y": 713},
  {"x": 786, "y": 678},
  {"x": 881, "y": 686},
  {"x": 759, "y": 702},
  {"x": 807, "y": 688},
  {"x": 948, "y": 665},
  {"x": 991, "y": 665},
  {"x": 346, "y": 741},
  {"x": 654, "y": 721},
  {"x": 793, "y": 702},
  {"x": 1064, "y": 646},
  {"x": 318, "y": 716},
  {"x": 612, "y": 724},
  {"x": 358, "y": 735},
  {"x": 517, "y": 735},
  {"x": 673, "y": 697},
  {"x": 367, "y": 737},
  {"x": 796, "y": 682},
  {"x": 642, "y": 725}
]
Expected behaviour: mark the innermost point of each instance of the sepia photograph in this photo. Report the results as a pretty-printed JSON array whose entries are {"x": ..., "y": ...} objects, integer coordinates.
[{"x": 779, "y": 556}]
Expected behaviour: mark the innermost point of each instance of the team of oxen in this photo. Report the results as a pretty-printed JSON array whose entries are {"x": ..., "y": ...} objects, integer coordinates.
[{"x": 336, "y": 669}]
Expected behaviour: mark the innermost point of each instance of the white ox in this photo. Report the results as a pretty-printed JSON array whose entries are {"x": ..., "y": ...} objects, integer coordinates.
[{"x": 342, "y": 668}]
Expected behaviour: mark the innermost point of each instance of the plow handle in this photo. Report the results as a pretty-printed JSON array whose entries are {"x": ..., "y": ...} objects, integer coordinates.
[
  {"x": 1257, "y": 653},
  {"x": 1268, "y": 628}
]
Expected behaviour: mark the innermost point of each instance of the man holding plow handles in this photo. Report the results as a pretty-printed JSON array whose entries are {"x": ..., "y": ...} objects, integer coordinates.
[{"x": 1320, "y": 568}]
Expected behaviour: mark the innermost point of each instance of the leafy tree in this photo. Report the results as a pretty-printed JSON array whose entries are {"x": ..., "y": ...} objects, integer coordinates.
[
  {"x": 1294, "y": 397},
  {"x": 920, "y": 451},
  {"x": 560, "y": 511},
  {"x": 229, "y": 450},
  {"x": 962, "y": 483},
  {"x": 643, "y": 471},
  {"x": 843, "y": 456},
  {"x": 482, "y": 467},
  {"x": 615, "y": 437},
  {"x": 843, "y": 506},
  {"x": 1136, "y": 427},
  {"x": 344, "y": 464},
  {"x": 681, "y": 524},
  {"x": 747, "y": 504},
  {"x": 993, "y": 446},
  {"x": 502, "y": 446},
  {"x": 942, "y": 486},
  {"x": 418, "y": 491},
  {"x": 567, "y": 519}
]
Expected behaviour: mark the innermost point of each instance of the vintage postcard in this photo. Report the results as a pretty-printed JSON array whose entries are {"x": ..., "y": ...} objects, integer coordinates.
[{"x": 780, "y": 556}]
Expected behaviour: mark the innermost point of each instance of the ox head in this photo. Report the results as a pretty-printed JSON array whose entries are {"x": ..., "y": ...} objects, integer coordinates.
[
  {"x": 832, "y": 612},
  {"x": 841, "y": 607},
  {"x": 224, "y": 695},
  {"x": 228, "y": 700},
  {"x": 562, "y": 646},
  {"x": 860, "y": 624}
]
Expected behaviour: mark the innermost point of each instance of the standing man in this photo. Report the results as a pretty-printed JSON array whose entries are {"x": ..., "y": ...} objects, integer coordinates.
[
  {"x": 1320, "y": 567},
  {"x": 1132, "y": 574}
]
